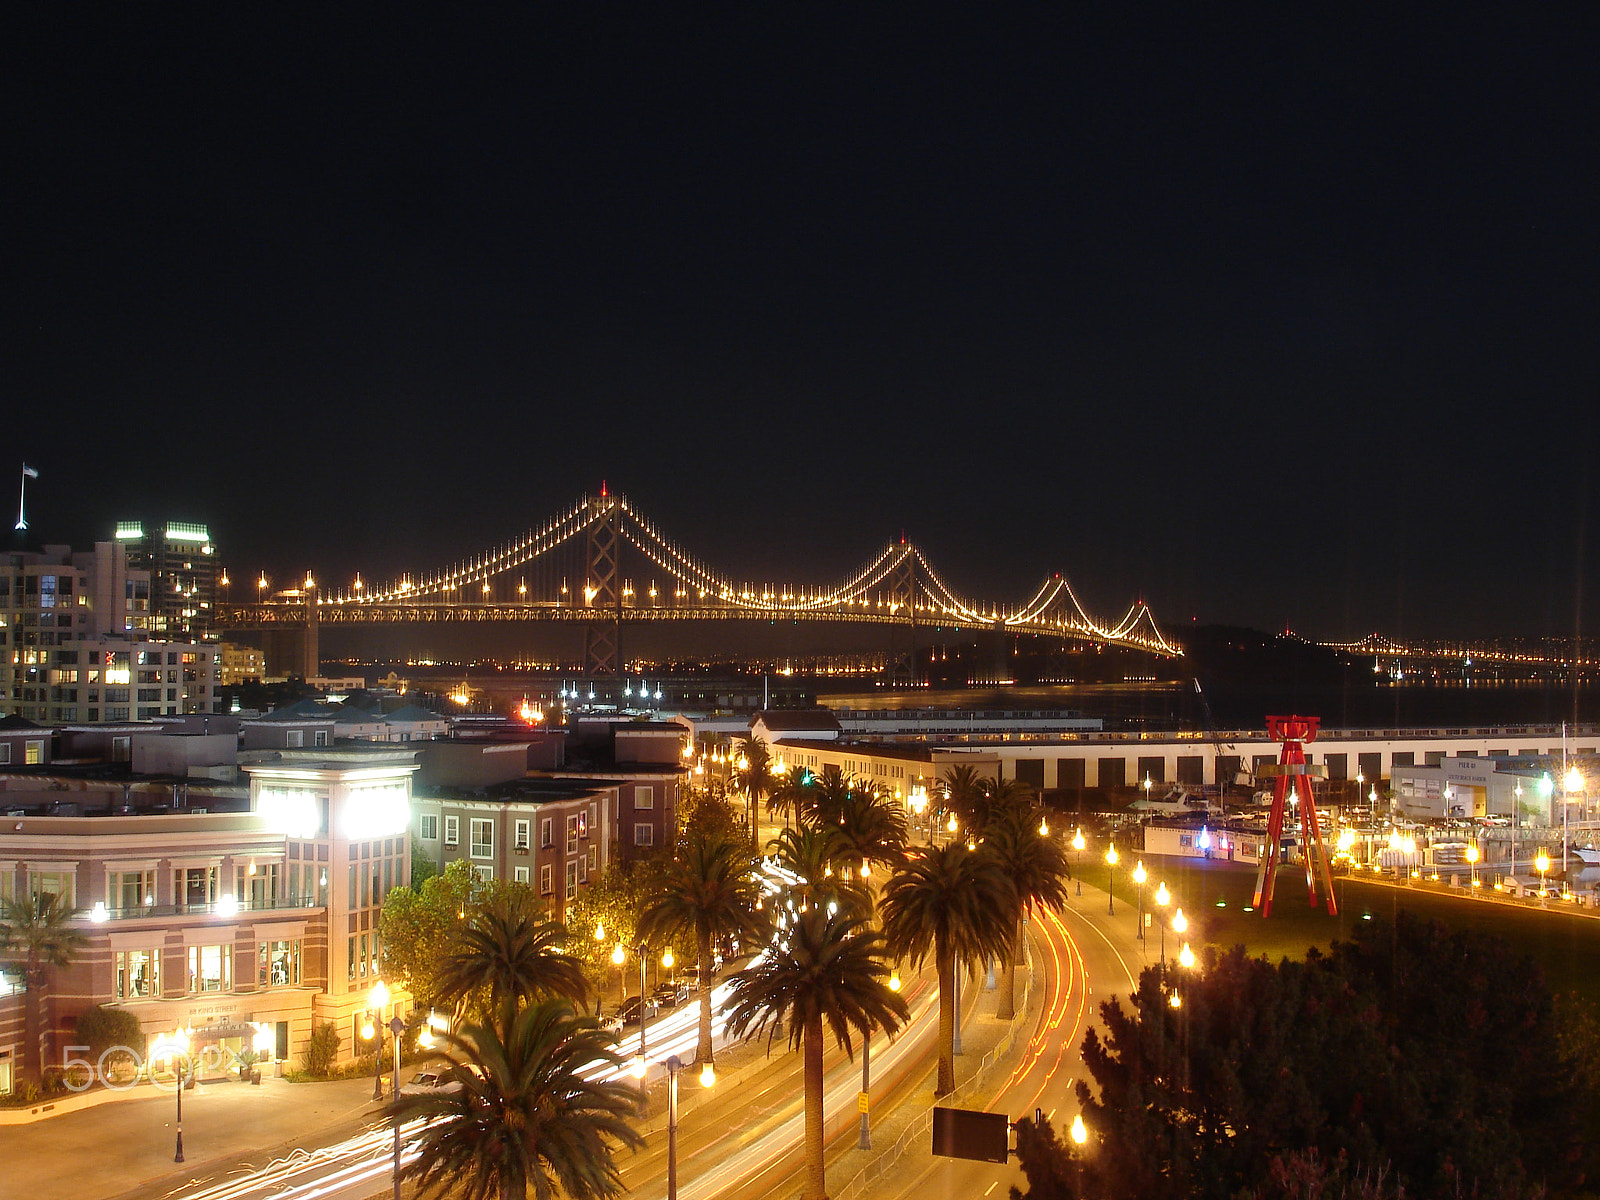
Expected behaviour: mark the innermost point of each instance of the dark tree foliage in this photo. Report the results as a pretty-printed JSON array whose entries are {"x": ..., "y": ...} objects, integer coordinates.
[{"x": 1410, "y": 1061}]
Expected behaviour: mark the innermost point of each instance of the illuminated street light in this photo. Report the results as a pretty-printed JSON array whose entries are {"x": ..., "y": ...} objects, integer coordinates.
[
  {"x": 1111, "y": 864},
  {"x": 1472, "y": 863},
  {"x": 1542, "y": 864},
  {"x": 1077, "y": 865},
  {"x": 1162, "y": 898},
  {"x": 1139, "y": 877}
]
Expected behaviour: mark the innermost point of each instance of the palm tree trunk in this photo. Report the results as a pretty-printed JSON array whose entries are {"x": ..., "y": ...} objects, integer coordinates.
[
  {"x": 32, "y": 1026},
  {"x": 703, "y": 1051},
  {"x": 946, "y": 1082},
  {"x": 816, "y": 1169},
  {"x": 1008, "y": 979}
]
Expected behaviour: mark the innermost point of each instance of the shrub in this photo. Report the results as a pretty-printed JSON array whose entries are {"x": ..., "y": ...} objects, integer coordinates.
[{"x": 322, "y": 1049}]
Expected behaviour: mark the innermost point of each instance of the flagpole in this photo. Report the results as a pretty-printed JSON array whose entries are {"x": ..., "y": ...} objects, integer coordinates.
[{"x": 22, "y": 500}]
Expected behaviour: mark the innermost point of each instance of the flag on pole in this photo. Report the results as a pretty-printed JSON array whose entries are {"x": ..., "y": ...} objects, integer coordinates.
[{"x": 29, "y": 471}]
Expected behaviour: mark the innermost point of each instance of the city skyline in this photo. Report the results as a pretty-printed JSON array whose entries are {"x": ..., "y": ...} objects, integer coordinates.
[{"x": 1279, "y": 322}]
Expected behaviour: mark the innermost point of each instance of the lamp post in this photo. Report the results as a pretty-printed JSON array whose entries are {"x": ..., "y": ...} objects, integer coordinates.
[
  {"x": 1111, "y": 866},
  {"x": 620, "y": 956},
  {"x": 1180, "y": 926},
  {"x": 1080, "y": 1136},
  {"x": 639, "y": 1065},
  {"x": 373, "y": 1028},
  {"x": 1542, "y": 864},
  {"x": 1139, "y": 877},
  {"x": 1077, "y": 861},
  {"x": 178, "y": 1043},
  {"x": 708, "y": 1078},
  {"x": 396, "y": 1027},
  {"x": 1472, "y": 863},
  {"x": 1162, "y": 898}
]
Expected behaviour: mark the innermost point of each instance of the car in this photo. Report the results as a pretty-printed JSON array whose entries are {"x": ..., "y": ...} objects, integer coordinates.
[
  {"x": 632, "y": 1007},
  {"x": 670, "y": 995},
  {"x": 430, "y": 1083},
  {"x": 610, "y": 1023}
]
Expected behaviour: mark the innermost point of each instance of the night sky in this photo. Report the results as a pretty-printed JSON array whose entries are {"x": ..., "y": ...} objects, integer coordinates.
[{"x": 1279, "y": 316}]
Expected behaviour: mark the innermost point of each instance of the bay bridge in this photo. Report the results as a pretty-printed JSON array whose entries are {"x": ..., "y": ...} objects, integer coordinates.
[{"x": 601, "y": 563}]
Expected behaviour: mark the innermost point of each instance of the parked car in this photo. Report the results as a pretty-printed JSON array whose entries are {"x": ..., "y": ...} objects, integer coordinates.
[
  {"x": 670, "y": 995},
  {"x": 430, "y": 1083},
  {"x": 611, "y": 1023},
  {"x": 631, "y": 1009}
]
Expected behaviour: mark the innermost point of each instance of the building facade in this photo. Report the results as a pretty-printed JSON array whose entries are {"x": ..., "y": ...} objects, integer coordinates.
[{"x": 182, "y": 567}]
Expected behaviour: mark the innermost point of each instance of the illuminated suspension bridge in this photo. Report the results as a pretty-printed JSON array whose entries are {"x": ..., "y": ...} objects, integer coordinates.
[{"x": 601, "y": 563}]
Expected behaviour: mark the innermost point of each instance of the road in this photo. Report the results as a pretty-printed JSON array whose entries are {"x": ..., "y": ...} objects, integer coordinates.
[{"x": 1083, "y": 957}]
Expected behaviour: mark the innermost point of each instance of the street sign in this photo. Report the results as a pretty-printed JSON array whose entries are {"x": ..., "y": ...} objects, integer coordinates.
[{"x": 968, "y": 1133}]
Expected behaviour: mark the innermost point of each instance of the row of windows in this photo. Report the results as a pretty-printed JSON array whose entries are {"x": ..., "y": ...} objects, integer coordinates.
[{"x": 209, "y": 968}]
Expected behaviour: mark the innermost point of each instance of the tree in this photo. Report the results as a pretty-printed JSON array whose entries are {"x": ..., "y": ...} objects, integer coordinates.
[
  {"x": 1038, "y": 871},
  {"x": 104, "y": 1028},
  {"x": 754, "y": 777},
  {"x": 825, "y": 973},
  {"x": 322, "y": 1049},
  {"x": 871, "y": 829},
  {"x": 507, "y": 954},
  {"x": 423, "y": 868},
  {"x": 788, "y": 795},
  {"x": 978, "y": 803},
  {"x": 1407, "y": 1058},
  {"x": 956, "y": 904},
  {"x": 710, "y": 889},
  {"x": 419, "y": 928},
  {"x": 526, "y": 1115},
  {"x": 39, "y": 929},
  {"x": 610, "y": 905},
  {"x": 810, "y": 854}
]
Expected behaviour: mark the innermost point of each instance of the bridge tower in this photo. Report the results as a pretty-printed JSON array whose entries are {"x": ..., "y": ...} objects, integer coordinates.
[
  {"x": 902, "y": 585},
  {"x": 603, "y": 593}
]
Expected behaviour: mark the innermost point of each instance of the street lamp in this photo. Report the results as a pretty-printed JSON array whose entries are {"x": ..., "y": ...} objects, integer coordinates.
[
  {"x": 1162, "y": 898},
  {"x": 1472, "y": 863},
  {"x": 377, "y": 998},
  {"x": 178, "y": 1044},
  {"x": 1080, "y": 1135},
  {"x": 1111, "y": 865},
  {"x": 1541, "y": 864},
  {"x": 1077, "y": 862},
  {"x": 1186, "y": 957},
  {"x": 708, "y": 1079},
  {"x": 620, "y": 956},
  {"x": 1139, "y": 877},
  {"x": 396, "y": 1027}
]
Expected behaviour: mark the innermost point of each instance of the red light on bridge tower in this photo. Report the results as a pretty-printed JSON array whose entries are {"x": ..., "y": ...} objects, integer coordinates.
[{"x": 1293, "y": 775}]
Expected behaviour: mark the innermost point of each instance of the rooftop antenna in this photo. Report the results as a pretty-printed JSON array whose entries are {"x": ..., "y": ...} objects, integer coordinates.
[{"x": 22, "y": 496}]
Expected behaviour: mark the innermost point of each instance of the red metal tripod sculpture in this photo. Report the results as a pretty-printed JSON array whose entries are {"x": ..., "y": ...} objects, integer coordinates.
[{"x": 1292, "y": 774}]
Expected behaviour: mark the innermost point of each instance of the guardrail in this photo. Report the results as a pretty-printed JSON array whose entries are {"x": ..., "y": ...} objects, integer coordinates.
[{"x": 922, "y": 1125}]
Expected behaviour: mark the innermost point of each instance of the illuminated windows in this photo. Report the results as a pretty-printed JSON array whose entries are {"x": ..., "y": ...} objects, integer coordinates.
[{"x": 210, "y": 968}]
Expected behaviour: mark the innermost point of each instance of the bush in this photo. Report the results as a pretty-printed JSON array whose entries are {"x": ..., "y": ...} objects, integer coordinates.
[
  {"x": 322, "y": 1049},
  {"x": 101, "y": 1028}
]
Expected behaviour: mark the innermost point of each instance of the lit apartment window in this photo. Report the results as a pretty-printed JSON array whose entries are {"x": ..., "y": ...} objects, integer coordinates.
[
  {"x": 482, "y": 838},
  {"x": 210, "y": 968},
  {"x": 572, "y": 835}
]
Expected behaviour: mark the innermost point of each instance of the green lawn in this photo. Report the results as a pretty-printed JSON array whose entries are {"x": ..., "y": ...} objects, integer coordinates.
[{"x": 1216, "y": 896}]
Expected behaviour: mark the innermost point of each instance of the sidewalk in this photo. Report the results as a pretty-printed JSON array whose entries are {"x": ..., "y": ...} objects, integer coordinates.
[{"x": 123, "y": 1148}]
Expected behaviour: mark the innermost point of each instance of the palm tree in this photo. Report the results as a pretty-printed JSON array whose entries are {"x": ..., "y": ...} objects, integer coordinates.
[
  {"x": 977, "y": 802},
  {"x": 507, "y": 954},
  {"x": 811, "y": 854},
  {"x": 956, "y": 904},
  {"x": 827, "y": 972},
  {"x": 40, "y": 927},
  {"x": 788, "y": 795},
  {"x": 524, "y": 1115},
  {"x": 710, "y": 890},
  {"x": 1037, "y": 868},
  {"x": 827, "y": 796},
  {"x": 754, "y": 777},
  {"x": 871, "y": 829},
  {"x": 963, "y": 791}
]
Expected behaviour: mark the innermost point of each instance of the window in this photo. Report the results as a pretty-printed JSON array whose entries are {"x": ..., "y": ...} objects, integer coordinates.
[
  {"x": 33, "y": 753},
  {"x": 544, "y": 881},
  {"x": 519, "y": 874},
  {"x": 522, "y": 834},
  {"x": 278, "y": 963},
  {"x": 452, "y": 831},
  {"x": 482, "y": 837},
  {"x": 572, "y": 876},
  {"x": 293, "y": 739},
  {"x": 138, "y": 974},
  {"x": 429, "y": 827},
  {"x": 129, "y": 891},
  {"x": 572, "y": 835},
  {"x": 594, "y": 858},
  {"x": 644, "y": 797},
  {"x": 484, "y": 874},
  {"x": 210, "y": 968},
  {"x": 5, "y": 752},
  {"x": 644, "y": 835},
  {"x": 594, "y": 815},
  {"x": 62, "y": 882},
  {"x": 545, "y": 836}
]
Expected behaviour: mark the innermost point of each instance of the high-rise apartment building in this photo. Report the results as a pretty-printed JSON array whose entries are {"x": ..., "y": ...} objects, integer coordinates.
[
  {"x": 184, "y": 573},
  {"x": 76, "y": 642}
]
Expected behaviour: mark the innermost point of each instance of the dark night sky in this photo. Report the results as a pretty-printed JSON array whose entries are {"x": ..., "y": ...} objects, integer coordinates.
[{"x": 1278, "y": 316}]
